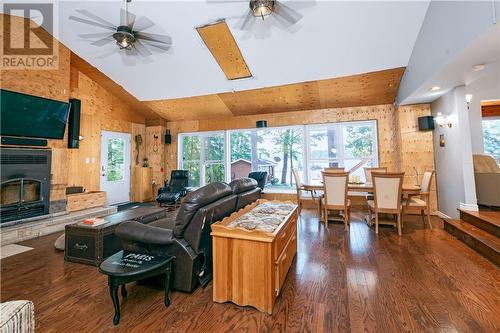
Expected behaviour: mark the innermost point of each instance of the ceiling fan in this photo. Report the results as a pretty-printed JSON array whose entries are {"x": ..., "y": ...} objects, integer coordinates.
[
  {"x": 129, "y": 35},
  {"x": 282, "y": 14}
]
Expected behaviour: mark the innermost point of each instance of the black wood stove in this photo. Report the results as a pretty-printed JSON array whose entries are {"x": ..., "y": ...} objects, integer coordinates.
[{"x": 25, "y": 183}]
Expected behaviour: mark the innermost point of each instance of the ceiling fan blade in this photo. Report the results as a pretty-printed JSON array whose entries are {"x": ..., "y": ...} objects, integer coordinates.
[
  {"x": 127, "y": 18},
  {"x": 82, "y": 20},
  {"x": 142, "y": 23},
  {"x": 96, "y": 35},
  {"x": 95, "y": 17},
  {"x": 163, "y": 47},
  {"x": 103, "y": 41},
  {"x": 285, "y": 14},
  {"x": 245, "y": 22},
  {"x": 164, "y": 39},
  {"x": 225, "y": 1},
  {"x": 107, "y": 53},
  {"x": 141, "y": 49}
]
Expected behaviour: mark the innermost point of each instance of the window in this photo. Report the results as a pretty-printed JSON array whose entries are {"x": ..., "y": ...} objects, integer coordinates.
[
  {"x": 341, "y": 145},
  {"x": 278, "y": 150},
  {"x": 203, "y": 156},
  {"x": 491, "y": 137}
]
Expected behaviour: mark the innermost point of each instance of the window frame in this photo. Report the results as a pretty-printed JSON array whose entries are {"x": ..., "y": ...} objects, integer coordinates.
[{"x": 306, "y": 145}]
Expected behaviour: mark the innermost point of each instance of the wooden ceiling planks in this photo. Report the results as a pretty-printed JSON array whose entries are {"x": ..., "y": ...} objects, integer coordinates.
[
  {"x": 220, "y": 42},
  {"x": 373, "y": 88},
  {"x": 190, "y": 108}
]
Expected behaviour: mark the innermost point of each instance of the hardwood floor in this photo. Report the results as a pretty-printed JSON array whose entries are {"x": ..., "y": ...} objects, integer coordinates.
[{"x": 340, "y": 282}]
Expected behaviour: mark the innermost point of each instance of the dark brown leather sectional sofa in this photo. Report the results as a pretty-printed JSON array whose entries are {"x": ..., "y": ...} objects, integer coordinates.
[{"x": 186, "y": 235}]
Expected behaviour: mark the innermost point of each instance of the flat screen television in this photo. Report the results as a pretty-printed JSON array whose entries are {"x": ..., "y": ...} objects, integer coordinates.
[{"x": 31, "y": 116}]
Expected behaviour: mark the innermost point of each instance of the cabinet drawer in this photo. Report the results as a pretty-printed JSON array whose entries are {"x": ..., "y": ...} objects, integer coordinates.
[
  {"x": 81, "y": 246},
  {"x": 283, "y": 237},
  {"x": 284, "y": 262}
]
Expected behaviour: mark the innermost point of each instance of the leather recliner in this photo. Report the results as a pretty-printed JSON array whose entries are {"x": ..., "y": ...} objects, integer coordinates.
[
  {"x": 246, "y": 190},
  {"x": 175, "y": 189},
  {"x": 260, "y": 177},
  {"x": 187, "y": 235}
]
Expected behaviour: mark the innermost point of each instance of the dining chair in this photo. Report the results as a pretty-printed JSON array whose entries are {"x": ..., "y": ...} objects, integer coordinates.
[
  {"x": 335, "y": 194},
  {"x": 300, "y": 193},
  {"x": 387, "y": 189},
  {"x": 368, "y": 178},
  {"x": 334, "y": 169},
  {"x": 368, "y": 172},
  {"x": 421, "y": 201}
]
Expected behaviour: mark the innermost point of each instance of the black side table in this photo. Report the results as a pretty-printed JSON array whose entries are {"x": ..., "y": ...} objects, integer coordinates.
[{"x": 124, "y": 267}]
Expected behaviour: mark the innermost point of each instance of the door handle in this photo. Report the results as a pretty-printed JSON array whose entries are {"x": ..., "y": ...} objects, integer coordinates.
[{"x": 103, "y": 169}]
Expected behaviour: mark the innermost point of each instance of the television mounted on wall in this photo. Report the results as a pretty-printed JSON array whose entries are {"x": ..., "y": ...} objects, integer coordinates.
[{"x": 30, "y": 116}]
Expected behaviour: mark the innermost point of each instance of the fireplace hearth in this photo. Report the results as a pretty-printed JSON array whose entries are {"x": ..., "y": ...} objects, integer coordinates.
[{"x": 25, "y": 183}]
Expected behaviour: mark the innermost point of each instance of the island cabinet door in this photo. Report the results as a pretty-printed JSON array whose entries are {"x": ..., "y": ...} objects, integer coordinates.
[{"x": 284, "y": 262}]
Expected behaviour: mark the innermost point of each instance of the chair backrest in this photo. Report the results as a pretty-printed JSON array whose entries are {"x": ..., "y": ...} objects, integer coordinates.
[
  {"x": 298, "y": 183},
  {"x": 334, "y": 170},
  {"x": 368, "y": 172},
  {"x": 178, "y": 180},
  {"x": 387, "y": 190},
  {"x": 335, "y": 188},
  {"x": 426, "y": 181},
  {"x": 260, "y": 177}
]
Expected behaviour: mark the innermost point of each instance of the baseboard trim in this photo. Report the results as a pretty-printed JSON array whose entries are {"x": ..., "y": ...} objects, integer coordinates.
[
  {"x": 471, "y": 207},
  {"x": 442, "y": 215}
]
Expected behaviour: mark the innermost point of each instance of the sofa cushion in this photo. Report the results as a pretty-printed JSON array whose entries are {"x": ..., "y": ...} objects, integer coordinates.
[
  {"x": 485, "y": 164},
  {"x": 142, "y": 233},
  {"x": 197, "y": 199},
  {"x": 242, "y": 185}
]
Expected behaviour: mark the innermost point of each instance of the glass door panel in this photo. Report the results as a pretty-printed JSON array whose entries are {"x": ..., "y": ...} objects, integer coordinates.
[
  {"x": 10, "y": 192},
  {"x": 116, "y": 159},
  {"x": 31, "y": 190}
]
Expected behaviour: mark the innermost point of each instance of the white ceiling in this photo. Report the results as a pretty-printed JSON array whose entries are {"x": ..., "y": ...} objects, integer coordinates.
[
  {"x": 333, "y": 39},
  {"x": 485, "y": 50}
]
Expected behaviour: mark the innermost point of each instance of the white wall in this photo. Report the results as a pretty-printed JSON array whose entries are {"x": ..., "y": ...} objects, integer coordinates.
[
  {"x": 486, "y": 87},
  {"x": 453, "y": 163}
]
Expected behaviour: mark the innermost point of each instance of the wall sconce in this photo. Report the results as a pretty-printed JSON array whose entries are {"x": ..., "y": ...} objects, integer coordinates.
[
  {"x": 468, "y": 98},
  {"x": 442, "y": 120}
]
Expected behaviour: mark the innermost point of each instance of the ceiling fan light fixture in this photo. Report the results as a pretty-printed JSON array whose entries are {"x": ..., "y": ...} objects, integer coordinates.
[
  {"x": 124, "y": 37},
  {"x": 261, "y": 8}
]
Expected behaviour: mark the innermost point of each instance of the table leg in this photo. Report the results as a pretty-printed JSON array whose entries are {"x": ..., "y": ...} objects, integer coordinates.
[
  {"x": 167, "y": 284},
  {"x": 113, "y": 291},
  {"x": 124, "y": 291}
]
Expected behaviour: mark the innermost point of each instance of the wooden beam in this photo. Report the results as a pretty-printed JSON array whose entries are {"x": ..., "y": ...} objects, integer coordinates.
[{"x": 490, "y": 108}]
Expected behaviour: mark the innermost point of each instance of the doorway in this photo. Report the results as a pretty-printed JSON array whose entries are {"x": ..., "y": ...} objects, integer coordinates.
[{"x": 115, "y": 166}]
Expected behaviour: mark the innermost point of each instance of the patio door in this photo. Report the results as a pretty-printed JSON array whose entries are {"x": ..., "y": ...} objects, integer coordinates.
[{"x": 115, "y": 166}]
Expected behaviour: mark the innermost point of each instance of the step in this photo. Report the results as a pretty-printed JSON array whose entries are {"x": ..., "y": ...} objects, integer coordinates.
[
  {"x": 477, "y": 239},
  {"x": 488, "y": 221}
]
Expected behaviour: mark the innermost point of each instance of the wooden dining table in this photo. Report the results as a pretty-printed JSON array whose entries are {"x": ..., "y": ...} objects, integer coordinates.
[{"x": 362, "y": 187}]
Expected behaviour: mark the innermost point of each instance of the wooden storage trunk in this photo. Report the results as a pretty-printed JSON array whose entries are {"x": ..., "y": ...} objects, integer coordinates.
[
  {"x": 250, "y": 266},
  {"x": 92, "y": 244},
  {"x": 79, "y": 201}
]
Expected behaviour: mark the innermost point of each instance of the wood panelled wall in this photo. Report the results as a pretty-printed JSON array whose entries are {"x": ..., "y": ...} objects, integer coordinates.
[
  {"x": 101, "y": 110},
  {"x": 401, "y": 146},
  {"x": 155, "y": 151}
]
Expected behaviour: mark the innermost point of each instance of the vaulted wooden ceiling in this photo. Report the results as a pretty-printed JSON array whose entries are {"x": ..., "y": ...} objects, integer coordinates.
[{"x": 357, "y": 90}]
